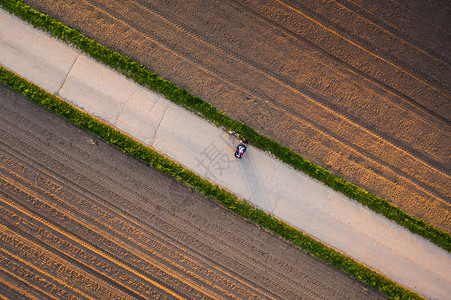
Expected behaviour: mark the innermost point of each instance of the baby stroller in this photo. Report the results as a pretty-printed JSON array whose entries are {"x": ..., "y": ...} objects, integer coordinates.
[{"x": 242, "y": 147}]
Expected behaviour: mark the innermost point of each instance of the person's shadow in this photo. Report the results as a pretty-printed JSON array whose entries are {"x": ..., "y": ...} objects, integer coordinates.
[{"x": 260, "y": 190}]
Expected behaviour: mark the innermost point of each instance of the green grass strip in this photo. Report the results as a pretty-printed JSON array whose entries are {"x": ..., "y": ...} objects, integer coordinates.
[
  {"x": 142, "y": 75},
  {"x": 152, "y": 158}
]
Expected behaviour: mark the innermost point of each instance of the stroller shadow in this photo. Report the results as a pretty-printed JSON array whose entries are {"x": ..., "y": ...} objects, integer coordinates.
[{"x": 252, "y": 178}]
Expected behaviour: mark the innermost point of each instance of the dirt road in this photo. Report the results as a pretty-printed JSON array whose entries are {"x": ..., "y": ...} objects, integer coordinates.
[
  {"x": 80, "y": 219},
  {"x": 358, "y": 87}
]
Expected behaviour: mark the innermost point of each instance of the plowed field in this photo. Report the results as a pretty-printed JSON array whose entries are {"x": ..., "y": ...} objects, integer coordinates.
[
  {"x": 359, "y": 87},
  {"x": 81, "y": 220}
]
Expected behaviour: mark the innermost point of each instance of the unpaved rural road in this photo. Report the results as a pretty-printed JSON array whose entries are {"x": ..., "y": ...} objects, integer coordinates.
[
  {"x": 80, "y": 219},
  {"x": 359, "y": 87}
]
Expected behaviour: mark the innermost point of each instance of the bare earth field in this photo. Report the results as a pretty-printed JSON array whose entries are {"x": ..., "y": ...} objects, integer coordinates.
[
  {"x": 79, "y": 219},
  {"x": 359, "y": 87}
]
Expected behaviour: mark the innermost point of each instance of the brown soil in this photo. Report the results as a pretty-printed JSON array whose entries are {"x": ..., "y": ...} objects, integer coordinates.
[
  {"x": 79, "y": 219},
  {"x": 359, "y": 87}
]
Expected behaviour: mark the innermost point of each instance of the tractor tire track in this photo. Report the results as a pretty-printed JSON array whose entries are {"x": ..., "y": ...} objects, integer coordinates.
[
  {"x": 304, "y": 23},
  {"x": 94, "y": 223},
  {"x": 103, "y": 231},
  {"x": 349, "y": 21},
  {"x": 86, "y": 168}
]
